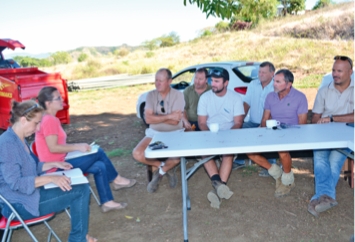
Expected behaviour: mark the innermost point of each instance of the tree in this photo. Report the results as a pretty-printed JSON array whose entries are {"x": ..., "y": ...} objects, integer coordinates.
[
  {"x": 61, "y": 57},
  {"x": 292, "y": 6},
  {"x": 296, "y": 6},
  {"x": 246, "y": 10},
  {"x": 322, "y": 4}
]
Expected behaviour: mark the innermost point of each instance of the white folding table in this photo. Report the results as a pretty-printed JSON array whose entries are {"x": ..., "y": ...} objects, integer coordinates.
[{"x": 203, "y": 143}]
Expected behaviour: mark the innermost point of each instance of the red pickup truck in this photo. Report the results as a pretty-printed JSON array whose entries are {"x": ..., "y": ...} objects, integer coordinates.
[{"x": 23, "y": 84}]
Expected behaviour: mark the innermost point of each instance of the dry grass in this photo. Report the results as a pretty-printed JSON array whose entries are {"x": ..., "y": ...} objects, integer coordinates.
[{"x": 309, "y": 59}]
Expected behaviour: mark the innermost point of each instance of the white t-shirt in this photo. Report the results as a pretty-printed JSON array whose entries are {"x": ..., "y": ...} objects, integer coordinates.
[{"x": 221, "y": 110}]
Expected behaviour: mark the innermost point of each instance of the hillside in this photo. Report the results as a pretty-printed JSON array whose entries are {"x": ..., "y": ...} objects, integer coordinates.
[{"x": 305, "y": 44}]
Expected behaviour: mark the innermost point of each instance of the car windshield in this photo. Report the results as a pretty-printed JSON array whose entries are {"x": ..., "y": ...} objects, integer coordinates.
[{"x": 247, "y": 73}]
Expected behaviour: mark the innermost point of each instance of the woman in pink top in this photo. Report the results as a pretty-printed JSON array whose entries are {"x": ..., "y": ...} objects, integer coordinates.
[{"x": 51, "y": 146}]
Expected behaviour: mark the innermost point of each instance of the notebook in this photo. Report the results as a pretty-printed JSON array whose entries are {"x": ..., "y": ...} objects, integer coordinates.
[
  {"x": 76, "y": 176},
  {"x": 75, "y": 154}
]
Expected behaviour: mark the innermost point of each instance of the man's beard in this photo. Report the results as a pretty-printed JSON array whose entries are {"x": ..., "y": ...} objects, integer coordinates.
[{"x": 218, "y": 90}]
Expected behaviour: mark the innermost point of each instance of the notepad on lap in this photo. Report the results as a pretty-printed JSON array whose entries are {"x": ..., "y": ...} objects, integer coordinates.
[
  {"x": 75, "y": 154},
  {"x": 76, "y": 177}
]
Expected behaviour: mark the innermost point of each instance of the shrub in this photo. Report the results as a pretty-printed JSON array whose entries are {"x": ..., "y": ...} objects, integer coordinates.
[
  {"x": 82, "y": 57},
  {"x": 149, "y": 54},
  {"x": 222, "y": 26}
]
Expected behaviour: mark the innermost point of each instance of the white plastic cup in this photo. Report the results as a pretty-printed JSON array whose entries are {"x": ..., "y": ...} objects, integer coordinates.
[
  {"x": 214, "y": 127},
  {"x": 272, "y": 123}
]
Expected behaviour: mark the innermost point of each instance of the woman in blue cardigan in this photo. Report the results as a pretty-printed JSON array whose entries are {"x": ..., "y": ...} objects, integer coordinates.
[{"x": 21, "y": 184}]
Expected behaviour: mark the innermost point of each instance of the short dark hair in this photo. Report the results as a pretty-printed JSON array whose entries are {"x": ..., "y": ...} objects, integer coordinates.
[
  {"x": 167, "y": 71},
  {"x": 288, "y": 76},
  {"x": 269, "y": 64},
  {"x": 202, "y": 70},
  {"x": 46, "y": 94}
]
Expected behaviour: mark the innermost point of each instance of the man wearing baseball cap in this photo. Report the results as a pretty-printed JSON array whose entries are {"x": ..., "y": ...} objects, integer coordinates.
[{"x": 224, "y": 107}]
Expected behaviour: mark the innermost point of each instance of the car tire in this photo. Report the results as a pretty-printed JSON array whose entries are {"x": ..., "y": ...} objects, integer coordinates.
[{"x": 141, "y": 112}]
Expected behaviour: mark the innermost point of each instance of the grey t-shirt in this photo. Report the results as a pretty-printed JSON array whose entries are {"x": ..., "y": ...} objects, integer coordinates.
[
  {"x": 172, "y": 102},
  {"x": 221, "y": 110}
]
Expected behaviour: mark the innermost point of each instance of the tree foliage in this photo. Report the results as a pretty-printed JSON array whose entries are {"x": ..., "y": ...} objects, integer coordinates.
[
  {"x": 61, "y": 57},
  {"x": 322, "y": 4},
  {"x": 292, "y": 6},
  {"x": 162, "y": 41},
  {"x": 246, "y": 10}
]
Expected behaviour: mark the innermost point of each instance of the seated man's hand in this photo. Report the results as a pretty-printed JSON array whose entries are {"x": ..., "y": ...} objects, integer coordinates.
[
  {"x": 187, "y": 125},
  {"x": 176, "y": 115}
]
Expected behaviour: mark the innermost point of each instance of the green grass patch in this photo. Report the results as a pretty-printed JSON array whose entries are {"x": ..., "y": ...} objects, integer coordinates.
[
  {"x": 249, "y": 170},
  {"x": 118, "y": 153}
]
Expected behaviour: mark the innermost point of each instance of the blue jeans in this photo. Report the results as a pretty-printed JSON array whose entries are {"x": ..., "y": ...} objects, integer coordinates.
[
  {"x": 327, "y": 167},
  {"x": 103, "y": 170},
  {"x": 55, "y": 200},
  {"x": 251, "y": 125}
]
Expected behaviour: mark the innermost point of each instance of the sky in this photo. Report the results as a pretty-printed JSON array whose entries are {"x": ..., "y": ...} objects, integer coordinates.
[{"x": 60, "y": 25}]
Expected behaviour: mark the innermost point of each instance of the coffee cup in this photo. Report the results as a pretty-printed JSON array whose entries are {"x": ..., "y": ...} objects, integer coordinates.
[
  {"x": 272, "y": 123},
  {"x": 214, "y": 127}
]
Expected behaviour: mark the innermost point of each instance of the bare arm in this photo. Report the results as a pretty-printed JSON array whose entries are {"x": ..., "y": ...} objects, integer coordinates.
[
  {"x": 186, "y": 122},
  {"x": 316, "y": 117},
  {"x": 202, "y": 122},
  {"x": 302, "y": 118},
  {"x": 171, "y": 118},
  {"x": 345, "y": 118},
  {"x": 61, "y": 165},
  {"x": 246, "y": 108},
  {"x": 266, "y": 116},
  {"x": 238, "y": 121},
  {"x": 54, "y": 147}
]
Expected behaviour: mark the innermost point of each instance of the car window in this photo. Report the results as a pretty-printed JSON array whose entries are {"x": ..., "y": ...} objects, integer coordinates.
[
  {"x": 186, "y": 76},
  {"x": 247, "y": 73}
]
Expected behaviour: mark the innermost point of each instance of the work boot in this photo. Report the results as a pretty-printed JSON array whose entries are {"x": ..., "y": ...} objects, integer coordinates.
[
  {"x": 278, "y": 182},
  {"x": 222, "y": 190},
  {"x": 312, "y": 207},
  {"x": 171, "y": 175},
  {"x": 153, "y": 185},
  {"x": 283, "y": 189},
  {"x": 325, "y": 203},
  {"x": 214, "y": 199}
]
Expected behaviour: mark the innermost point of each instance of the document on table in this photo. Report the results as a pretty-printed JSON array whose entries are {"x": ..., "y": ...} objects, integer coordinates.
[
  {"x": 75, "y": 154},
  {"x": 76, "y": 177}
]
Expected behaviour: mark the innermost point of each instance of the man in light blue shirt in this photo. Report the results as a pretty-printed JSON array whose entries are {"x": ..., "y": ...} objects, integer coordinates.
[{"x": 253, "y": 102}]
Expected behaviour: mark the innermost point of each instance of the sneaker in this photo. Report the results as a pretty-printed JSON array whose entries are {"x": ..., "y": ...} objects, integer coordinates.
[
  {"x": 237, "y": 166},
  {"x": 214, "y": 199},
  {"x": 264, "y": 173},
  {"x": 312, "y": 207},
  {"x": 153, "y": 185},
  {"x": 222, "y": 190},
  {"x": 325, "y": 203},
  {"x": 283, "y": 190},
  {"x": 171, "y": 175}
]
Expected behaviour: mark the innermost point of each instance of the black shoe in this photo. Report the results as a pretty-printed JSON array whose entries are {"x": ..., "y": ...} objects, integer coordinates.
[
  {"x": 153, "y": 185},
  {"x": 171, "y": 175}
]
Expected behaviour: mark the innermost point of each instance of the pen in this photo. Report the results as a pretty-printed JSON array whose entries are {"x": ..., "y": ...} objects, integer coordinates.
[
  {"x": 66, "y": 176},
  {"x": 92, "y": 143}
]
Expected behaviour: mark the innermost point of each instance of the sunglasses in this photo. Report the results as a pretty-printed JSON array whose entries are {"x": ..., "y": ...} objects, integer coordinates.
[
  {"x": 344, "y": 58},
  {"x": 162, "y": 106},
  {"x": 216, "y": 72},
  {"x": 30, "y": 109}
]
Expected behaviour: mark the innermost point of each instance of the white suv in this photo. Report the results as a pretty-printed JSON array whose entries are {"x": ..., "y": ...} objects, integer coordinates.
[{"x": 241, "y": 73}]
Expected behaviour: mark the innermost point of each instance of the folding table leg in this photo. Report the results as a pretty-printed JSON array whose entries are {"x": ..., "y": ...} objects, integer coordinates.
[{"x": 184, "y": 197}]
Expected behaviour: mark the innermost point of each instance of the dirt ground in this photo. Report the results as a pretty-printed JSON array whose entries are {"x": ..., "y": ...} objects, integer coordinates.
[{"x": 252, "y": 213}]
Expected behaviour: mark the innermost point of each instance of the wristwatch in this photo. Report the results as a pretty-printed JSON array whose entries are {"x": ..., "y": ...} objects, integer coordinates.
[{"x": 331, "y": 118}]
